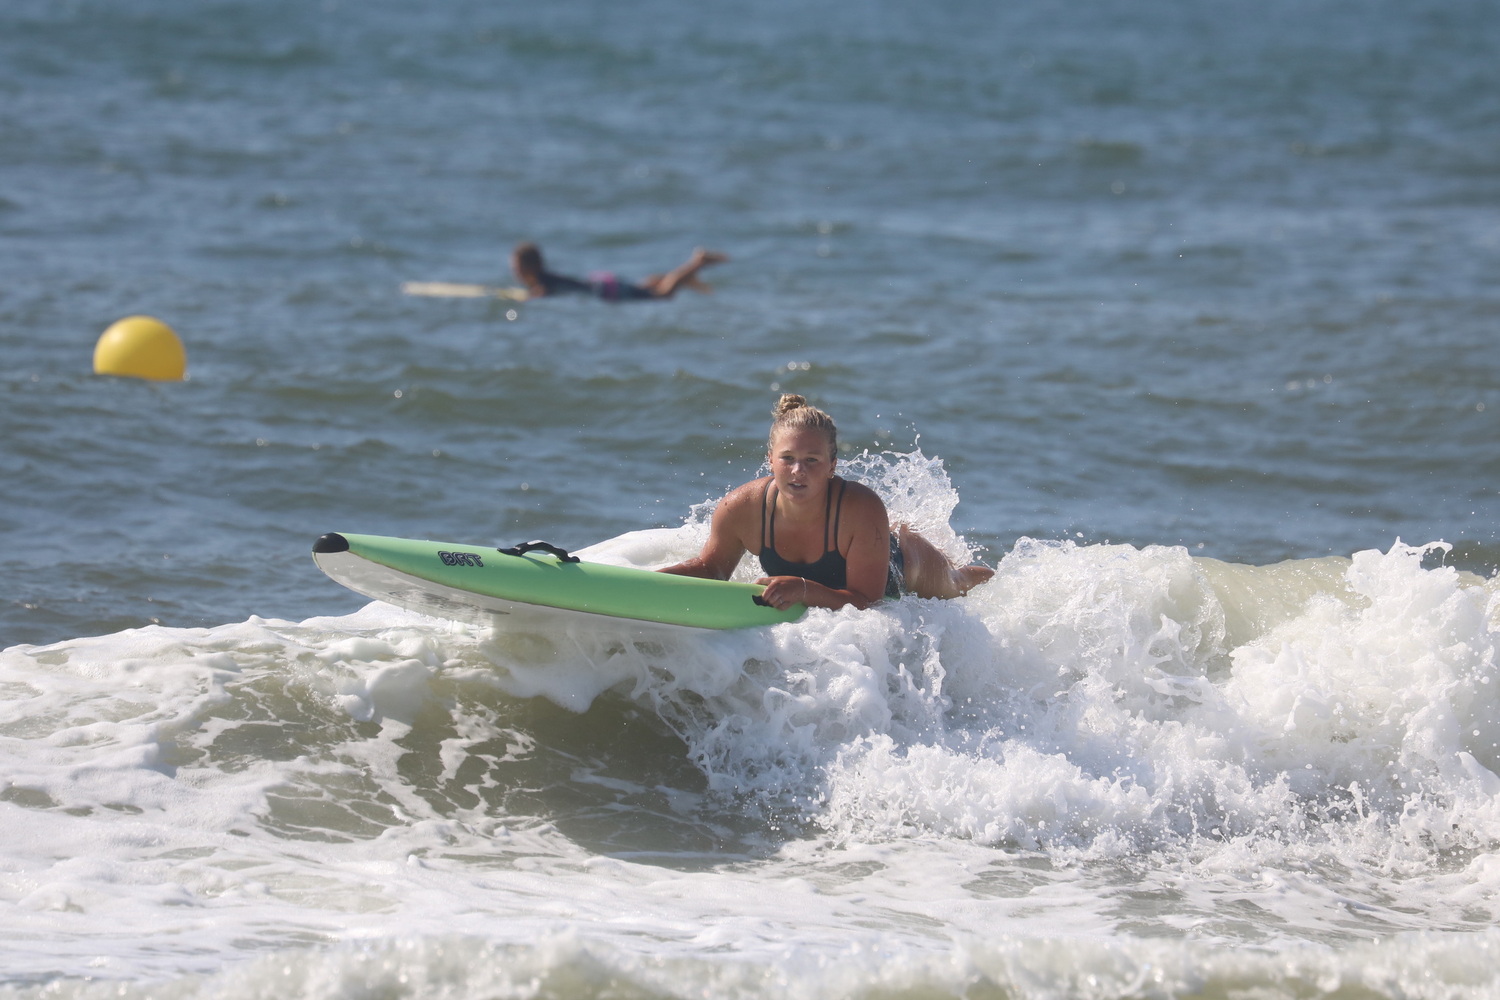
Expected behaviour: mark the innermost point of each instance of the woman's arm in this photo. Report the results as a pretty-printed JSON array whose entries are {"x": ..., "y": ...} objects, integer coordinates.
[
  {"x": 869, "y": 554},
  {"x": 727, "y": 540}
]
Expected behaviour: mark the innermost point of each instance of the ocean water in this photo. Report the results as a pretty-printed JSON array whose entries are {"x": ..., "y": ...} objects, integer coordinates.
[{"x": 1180, "y": 315}]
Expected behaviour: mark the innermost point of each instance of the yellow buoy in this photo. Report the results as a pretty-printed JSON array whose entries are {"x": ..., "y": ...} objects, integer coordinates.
[{"x": 140, "y": 347}]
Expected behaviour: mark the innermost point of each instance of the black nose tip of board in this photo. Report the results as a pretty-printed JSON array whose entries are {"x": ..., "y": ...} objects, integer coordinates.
[{"x": 331, "y": 542}]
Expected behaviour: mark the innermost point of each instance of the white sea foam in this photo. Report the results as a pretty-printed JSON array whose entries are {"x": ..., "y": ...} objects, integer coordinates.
[{"x": 1016, "y": 792}]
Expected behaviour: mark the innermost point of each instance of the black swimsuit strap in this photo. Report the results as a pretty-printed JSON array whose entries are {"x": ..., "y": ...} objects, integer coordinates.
[
  {"x": 831, "y": 518},
  {"x": 765, "y": 498},
  {"x": 838, "y": 512}
]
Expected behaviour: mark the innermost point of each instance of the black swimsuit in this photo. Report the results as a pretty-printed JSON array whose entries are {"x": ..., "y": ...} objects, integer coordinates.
[
  {"x": 602, "y": 284},
  {"x": 830, "y": 569}
]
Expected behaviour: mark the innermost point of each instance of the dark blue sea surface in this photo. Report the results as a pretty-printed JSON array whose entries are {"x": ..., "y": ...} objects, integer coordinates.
[{"x": 1161, "y": 273}]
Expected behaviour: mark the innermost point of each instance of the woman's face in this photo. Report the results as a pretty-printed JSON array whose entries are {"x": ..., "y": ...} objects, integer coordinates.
[{"x": 802, "y": 462}]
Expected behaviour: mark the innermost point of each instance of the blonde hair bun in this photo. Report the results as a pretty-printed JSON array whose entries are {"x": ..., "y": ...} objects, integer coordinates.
[
  {"x": 789, "y": 401},
  {"x": 794, "y": 412}
]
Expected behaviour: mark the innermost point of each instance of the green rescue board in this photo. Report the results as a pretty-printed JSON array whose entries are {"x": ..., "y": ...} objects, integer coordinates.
[{"x": 482, "y": 585}]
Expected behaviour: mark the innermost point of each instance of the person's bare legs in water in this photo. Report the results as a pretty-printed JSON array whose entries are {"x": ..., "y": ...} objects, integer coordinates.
[
  {"x": 929, "y": 573},
  {"x": 664, "y": 286}
]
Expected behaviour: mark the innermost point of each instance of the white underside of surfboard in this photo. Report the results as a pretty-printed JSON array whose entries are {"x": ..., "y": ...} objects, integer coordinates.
[{"x": 458, "y": 290}]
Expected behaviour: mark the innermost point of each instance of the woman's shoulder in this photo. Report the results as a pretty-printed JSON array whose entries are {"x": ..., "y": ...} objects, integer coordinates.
[
  {"x": 742, "y": 500},
  {"x": 738, "y": 513},
  {"x": 860, "y": 493},
  {"x": 747, "y": 493},
  {"x": 860, "y": 501}
]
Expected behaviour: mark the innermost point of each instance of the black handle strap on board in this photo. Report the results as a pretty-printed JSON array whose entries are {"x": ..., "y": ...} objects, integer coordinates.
[
  {"x": 525, "y": 547},
  {"x": 760, "y": 600}
]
